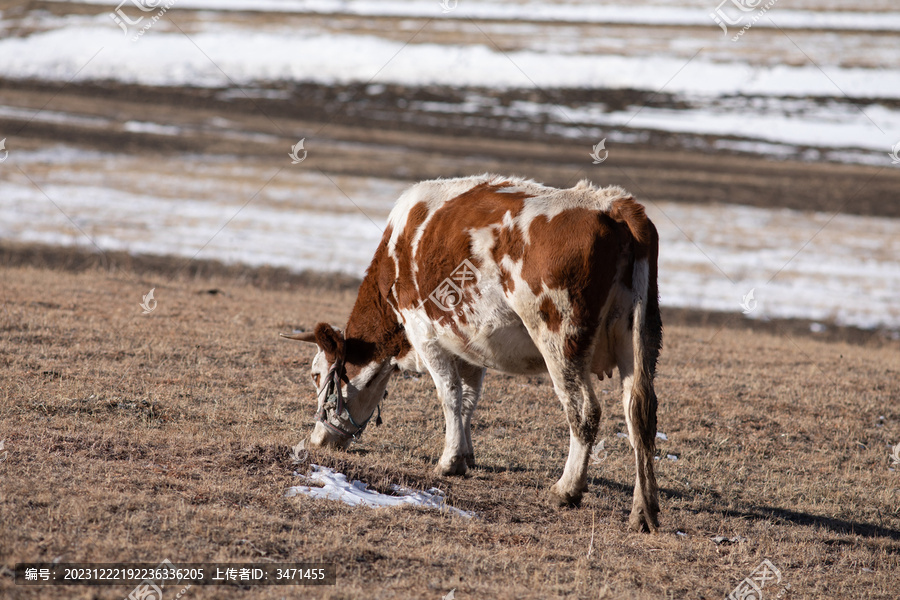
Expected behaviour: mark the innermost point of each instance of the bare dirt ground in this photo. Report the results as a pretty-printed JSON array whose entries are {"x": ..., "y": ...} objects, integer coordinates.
[{"x": 137, "y": 437}]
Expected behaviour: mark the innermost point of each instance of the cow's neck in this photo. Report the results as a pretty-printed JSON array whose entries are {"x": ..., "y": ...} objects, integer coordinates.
[
  {"x": 373, "y": 333},
  {"x": 372, "y": 338}
]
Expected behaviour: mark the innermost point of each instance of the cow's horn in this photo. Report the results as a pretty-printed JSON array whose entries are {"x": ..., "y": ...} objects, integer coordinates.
[{"x": 305, "y": 336}]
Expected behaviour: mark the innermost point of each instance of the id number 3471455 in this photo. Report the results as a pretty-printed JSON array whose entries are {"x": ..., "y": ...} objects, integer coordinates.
[{"x": 300, "y": 574}]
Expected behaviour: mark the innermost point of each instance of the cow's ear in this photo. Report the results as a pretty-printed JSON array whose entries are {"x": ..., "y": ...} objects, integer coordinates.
[{"x": 331, "y": 341}]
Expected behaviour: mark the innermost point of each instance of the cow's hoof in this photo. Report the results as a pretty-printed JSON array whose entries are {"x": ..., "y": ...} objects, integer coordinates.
[
  {"x": 643, "y": 522},
  {"x": 456, "y": 467},
  {"x": 564, "y": 499},
  {"x": 470, "y": 460}
]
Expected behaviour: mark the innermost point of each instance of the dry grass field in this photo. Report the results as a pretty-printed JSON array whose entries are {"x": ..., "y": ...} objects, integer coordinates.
[{"x": 135, "y": 437}]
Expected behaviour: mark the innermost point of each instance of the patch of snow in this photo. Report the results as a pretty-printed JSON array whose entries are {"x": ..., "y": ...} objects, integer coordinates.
[
  {"x": 185, "y": 214},
  {"x": 153, "y": 128},
  {"x": 756, "y": 147},
  {"x": 336, "y": 487},
  {"x": 832, "y": 268},
  {"x": 599, "y": 12},
  {"x": 662, "y": 436},
  {"x": 85, "y": 53},
  {"x": 244, "y": 93},
  {"x": 777, "y": 127},
  {"x": 50, "y": 116}
]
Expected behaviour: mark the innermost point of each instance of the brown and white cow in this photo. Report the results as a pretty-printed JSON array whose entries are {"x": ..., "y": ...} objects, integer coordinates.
[{"x": 504, "y": 273}]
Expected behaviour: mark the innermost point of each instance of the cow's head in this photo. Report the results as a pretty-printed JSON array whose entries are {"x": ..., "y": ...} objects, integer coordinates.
[{"x": 349, "y": 385}]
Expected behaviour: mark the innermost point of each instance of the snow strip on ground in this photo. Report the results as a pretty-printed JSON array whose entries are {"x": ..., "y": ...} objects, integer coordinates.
[
  {"x": 832, "y": 268},
  {"x": 552, "y": 12},
  {"x": 791, "y": 122},
  {"x": 336, "y": 487},
  {"x": 223, "y": 58},
  {"x": 840, "y": 269}
]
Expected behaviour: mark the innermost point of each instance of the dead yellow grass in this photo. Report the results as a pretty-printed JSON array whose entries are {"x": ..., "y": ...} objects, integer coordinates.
[{"x": 142, "y": 437}]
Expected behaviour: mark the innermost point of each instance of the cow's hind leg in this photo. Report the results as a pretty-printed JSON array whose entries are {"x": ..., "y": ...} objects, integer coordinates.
[
  {"x": 573, "y": 387},
  {"x": 640, "y": 417}
]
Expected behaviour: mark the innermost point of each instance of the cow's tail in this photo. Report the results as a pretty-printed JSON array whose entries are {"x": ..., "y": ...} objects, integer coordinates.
[
  {"x": 646, "y": 323},
  {"x": 646, "y": 328}
]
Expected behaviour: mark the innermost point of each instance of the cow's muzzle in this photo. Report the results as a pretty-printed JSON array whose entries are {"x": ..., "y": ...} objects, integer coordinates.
[{"x": 323, "y": 437}]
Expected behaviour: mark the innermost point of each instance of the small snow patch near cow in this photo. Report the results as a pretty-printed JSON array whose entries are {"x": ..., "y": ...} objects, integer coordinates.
[{"x": 335, "y": 486}]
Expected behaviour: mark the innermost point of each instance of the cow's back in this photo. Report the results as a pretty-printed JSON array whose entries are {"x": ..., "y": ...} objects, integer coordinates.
[{"x": 485, "y": 260}]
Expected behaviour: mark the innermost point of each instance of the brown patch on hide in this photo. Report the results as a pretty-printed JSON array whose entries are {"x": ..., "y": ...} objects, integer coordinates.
[
  {"x": 578, "y": 251},
  {"x": 550, "y": 314},
  {"x": 446, "y": 241},
  {"x": 406, "y": 283}
]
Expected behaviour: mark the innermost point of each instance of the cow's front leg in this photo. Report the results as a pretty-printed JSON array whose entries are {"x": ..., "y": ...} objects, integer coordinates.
[
  {"x": 472, "y": 379},
  {"x": 453, "y": 459},
  {"x": 445, "y": 373}
]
